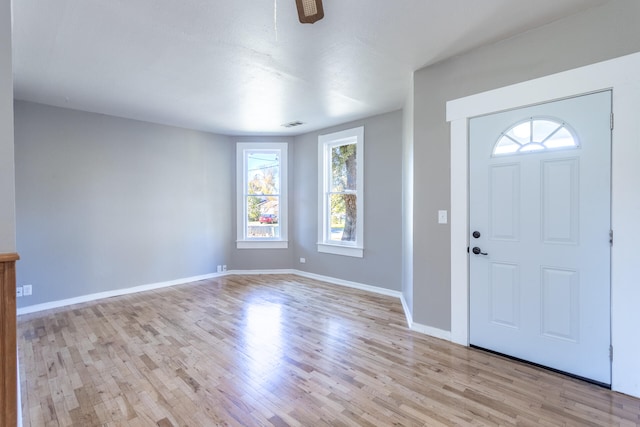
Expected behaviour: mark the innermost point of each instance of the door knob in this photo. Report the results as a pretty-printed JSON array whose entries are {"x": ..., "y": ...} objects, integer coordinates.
[
  {"x": 476, "y": 234},
  {"x": 478, "y": 251}
]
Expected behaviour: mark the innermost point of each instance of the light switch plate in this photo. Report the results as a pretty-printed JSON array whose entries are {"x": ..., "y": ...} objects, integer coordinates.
[{"x": 442, "y": 217}]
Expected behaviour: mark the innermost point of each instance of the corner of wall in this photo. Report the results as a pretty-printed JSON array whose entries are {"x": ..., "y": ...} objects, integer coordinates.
[{"x": 407, "y": 203}]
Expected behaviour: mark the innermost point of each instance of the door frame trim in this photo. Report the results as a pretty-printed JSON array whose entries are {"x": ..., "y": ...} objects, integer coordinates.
[{"x": 620, "y": 76}]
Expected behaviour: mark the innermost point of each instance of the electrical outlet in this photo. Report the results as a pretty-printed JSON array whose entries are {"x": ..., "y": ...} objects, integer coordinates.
[
  {"x": 19, "y": 291},
  {"x": 224, "y": 267},
  {"x": 27, "y": 290},
  {"x": 303, "y": 260},
  {"x": 219, "y": 269}
]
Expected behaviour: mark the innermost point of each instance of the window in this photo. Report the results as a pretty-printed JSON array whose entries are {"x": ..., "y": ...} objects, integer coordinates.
[
  {"x": 340, "y": 192},
  {"x": 262, "y": 195},
  {"x": 535, "y": 134}
]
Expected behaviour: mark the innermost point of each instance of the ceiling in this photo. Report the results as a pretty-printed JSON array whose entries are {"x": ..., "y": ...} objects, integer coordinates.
[{"x": 247, "y": 67}]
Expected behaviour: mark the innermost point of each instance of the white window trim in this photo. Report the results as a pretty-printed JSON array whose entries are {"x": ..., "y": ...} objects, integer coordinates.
[
  {"x": 349, "y": 136},
  {"x": 242, "y": 241}
]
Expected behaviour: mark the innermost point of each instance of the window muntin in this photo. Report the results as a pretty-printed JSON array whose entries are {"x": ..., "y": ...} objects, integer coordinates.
[
  {"x": 535, "y": 134},
  {"x": 340, "y": 193},
  {"x": 262, "y": 195}
]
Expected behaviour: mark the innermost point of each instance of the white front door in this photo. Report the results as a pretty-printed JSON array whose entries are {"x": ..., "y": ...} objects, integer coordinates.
[{"x": 540, "y": 218}]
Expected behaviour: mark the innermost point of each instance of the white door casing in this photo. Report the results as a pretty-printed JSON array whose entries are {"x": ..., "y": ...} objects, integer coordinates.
[
  {"x": 621, "y": 76},
  {"x": 542, "y": 291}
]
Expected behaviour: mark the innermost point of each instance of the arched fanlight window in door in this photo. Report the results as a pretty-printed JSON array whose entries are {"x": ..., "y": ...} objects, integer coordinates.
[{"x": 535, "y": 134}]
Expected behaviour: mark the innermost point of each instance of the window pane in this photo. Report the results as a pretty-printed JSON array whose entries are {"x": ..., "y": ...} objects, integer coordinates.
[
  {"x": 340, "y": 198},
  {"x": 263, "y": 173},
  {"x": 543, "y": 128},
  {"x": 532, "y": 147},
  {"x": 535, "y": 135},
  {"x": 343, "y": 217},
  {"x": 506, "y": 145},
  {"x": 263, "y": 216},
  {"x": 343, "y": 168},
  {"x": 521, "y": 133},
  {"x": 562, "y": 138}
]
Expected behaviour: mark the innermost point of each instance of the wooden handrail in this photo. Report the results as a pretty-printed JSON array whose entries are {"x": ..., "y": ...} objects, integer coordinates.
[
  {"x": 9, "y": 257},
  {"x": 8, "y": 355}
]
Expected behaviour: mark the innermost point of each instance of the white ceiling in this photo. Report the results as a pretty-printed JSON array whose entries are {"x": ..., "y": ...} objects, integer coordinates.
[{"x": 236, "y": 67}]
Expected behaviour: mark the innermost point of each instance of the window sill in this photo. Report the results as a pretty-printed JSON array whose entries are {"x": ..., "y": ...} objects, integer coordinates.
[
  {"x": 351, "y": 251},
  {"x": 262, "y": 244}
]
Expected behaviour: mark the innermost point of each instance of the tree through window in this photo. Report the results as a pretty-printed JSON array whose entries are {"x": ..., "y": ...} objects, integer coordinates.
[
  {"x": 344, "y": 208},
  {"x": 340, "y": 193}
]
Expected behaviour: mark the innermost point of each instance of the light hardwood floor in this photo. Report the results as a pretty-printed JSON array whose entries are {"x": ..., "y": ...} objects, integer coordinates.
[{"x": 279, "y": 350}]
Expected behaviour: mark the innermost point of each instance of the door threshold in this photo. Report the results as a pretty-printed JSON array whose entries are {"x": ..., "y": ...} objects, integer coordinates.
[{"x": 546, "y": 368}]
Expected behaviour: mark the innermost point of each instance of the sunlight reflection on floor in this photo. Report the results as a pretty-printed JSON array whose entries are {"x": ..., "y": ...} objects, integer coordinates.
[{"x": 263, "y": 341}]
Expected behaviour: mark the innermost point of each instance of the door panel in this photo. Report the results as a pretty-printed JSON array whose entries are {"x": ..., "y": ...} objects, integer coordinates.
[
  {"x": 560, "y": 196},
  {"x": 505, "y": 295},
  {"x": 505, "y": 202},
  {"x": 560, "y": 309},
  {"x": 540, "y": 283}
]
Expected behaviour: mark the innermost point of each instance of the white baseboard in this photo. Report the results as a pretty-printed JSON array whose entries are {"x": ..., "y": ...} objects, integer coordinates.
[
  {"x": 423, "y": 329},
  {"x": 407, "y": 312},
  {"x": 256, "y": 272},
  {"x": 349, "y": 284},
  {"x": 320, "y": 277},
  {"x": 427, "y": 330},
  {"x": 417, "y": 327},
  {"x": 431, "y": 331},
  {"x": 108, "y": 294}
]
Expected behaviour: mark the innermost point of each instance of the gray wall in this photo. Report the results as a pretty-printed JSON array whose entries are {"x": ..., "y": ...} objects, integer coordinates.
[
  {"x": 381, "y": 265},
  {"x": 594, "y": 35},
  {"x": 105, "y": 203},
  {"x": 7, "y": 187},
  {"x": 263, "y": 259}
]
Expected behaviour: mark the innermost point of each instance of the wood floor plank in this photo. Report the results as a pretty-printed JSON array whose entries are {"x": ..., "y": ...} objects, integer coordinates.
[{"x": 279, "y": 350}]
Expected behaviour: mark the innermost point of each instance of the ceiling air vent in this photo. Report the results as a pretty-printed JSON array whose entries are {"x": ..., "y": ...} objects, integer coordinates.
[{"x": 292, "y": 124}]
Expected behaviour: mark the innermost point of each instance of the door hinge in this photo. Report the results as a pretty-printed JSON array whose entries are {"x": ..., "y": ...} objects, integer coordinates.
[
  {"x": 610, "y": 352},
  {"x": 611, "y": 237},
  {"x": 611, "y": 121}
]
